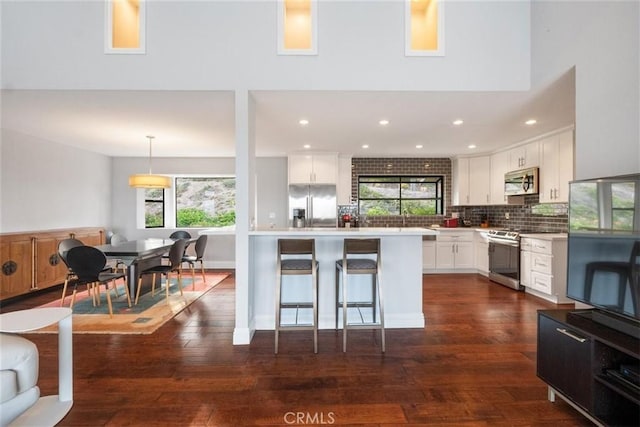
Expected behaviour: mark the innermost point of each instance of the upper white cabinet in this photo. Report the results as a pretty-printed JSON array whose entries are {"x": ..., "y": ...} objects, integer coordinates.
[
  {"x": 316, "y": 168},
  {"x": 556, "y": 167},
  {"x": 524, "y": 156},
  {"x": 472, "y": 181},
  {"x": 343, "y": 190},
  {"x": 499, "y": 166}
]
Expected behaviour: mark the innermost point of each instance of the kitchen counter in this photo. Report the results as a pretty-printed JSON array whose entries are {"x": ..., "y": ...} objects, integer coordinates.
[
  {"x": 344, "y": 231},
  {"x": 546, "y": 236},
  {"x": 401, "y": 281}
]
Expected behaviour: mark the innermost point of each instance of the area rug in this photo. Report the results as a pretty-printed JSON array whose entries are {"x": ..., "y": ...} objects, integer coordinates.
[{"x": 151, "y": 312}]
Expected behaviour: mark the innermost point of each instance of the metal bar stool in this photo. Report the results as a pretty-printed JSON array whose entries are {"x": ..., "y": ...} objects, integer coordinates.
[
  {"x": 367, "y": 261},
  {"x": 297, "y": 257}
]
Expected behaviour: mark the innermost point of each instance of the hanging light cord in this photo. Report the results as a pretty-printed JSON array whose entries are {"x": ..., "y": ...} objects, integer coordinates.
[{"x": 150, "y": 141}]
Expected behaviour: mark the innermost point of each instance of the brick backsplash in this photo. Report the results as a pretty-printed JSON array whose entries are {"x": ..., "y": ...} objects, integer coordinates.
[{"x": 529, "y": 216}]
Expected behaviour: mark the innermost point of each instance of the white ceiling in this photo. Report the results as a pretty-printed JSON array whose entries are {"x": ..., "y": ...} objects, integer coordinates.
[{"x": 201, "y": 123}]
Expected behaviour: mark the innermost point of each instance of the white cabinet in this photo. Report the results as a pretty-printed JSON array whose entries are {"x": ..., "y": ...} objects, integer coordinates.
[
  {"x": 343, "y": 189},
  {"x": 556, "y": 167},
  {"x": 428, "y": 255},
  {"x": 454, "y": 250},
  {"x": 499, "y": 166},
  {"x": 313, "y": 168},
  {"x": 543, "y": 264},
  {"x": 524, "y": 156},
  {"x": 481, "y": 247},
  {"x": 472, "y": 181}
]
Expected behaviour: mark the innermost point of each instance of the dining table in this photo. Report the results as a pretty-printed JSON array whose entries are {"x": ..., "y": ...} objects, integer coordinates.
[{"x": 139, "y": 255}]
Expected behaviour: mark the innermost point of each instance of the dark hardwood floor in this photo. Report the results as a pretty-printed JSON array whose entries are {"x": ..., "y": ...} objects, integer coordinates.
[{"x": 473, "y": 365}]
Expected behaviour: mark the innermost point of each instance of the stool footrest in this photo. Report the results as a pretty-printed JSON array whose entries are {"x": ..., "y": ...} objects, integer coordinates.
[
  {"x": 301, "y": 327},
  {"x": 296, "y": 305}
]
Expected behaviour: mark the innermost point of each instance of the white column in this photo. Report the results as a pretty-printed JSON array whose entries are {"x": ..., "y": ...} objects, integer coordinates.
[{"x": 245, "y": 214}]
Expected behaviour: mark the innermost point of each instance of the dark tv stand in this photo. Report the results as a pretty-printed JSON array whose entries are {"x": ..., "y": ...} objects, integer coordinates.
[{"x": 579, "y": 359}]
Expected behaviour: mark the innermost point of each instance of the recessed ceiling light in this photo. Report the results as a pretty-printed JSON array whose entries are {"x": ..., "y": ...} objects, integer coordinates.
[
  {"x": 390, "y": 165},
  {"x": 419, "y": 146},
  {"x": 303, "y": 122},
  {"x": 531, "y": 122},
  {"x": 472, "y": 146},
  {"x": 365, "y": 146},
  {"x": 458, "y": 122},
  {"x": 307, "y": 146},
  {"x": 384, "y": 122}
]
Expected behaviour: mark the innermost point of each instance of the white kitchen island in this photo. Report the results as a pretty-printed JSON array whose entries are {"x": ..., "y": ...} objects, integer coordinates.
[{"x": 401, "y": 253}]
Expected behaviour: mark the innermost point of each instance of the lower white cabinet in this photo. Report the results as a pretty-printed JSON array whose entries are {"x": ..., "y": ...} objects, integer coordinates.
[
  {"x": 428, "y": 255},
  {"x": 454, "y": 250},
  {"x": 481, "y": 246},
  {"x": 543, "y": 265}
]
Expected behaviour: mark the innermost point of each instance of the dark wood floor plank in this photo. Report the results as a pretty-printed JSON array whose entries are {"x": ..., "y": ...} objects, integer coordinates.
[{"x": 473, "y": 365}]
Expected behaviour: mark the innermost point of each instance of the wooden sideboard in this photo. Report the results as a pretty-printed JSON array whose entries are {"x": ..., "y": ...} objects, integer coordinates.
[{"x": 30, "y": 262}]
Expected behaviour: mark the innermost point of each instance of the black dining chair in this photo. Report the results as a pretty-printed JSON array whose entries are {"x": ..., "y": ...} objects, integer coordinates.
[
  {"x": 201, "y": 245},
  {"x": 63, "y": 248},
  {"x": 117, "y": 264},
  {"x": 175, "y": 261},
  {"x": 180, "y": 234},
  {"x": 88, "y": 265}
]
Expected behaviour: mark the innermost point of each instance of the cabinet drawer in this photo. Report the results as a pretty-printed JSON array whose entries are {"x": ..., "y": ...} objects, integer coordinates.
[
  {"x": 541, "y": 282},
  {"x": 541, "y": 246},
  {"x": 541, "y": 263},
  {"x": 455, "y": 237}
]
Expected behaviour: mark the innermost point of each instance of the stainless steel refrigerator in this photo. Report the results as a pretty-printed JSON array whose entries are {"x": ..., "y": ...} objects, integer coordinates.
[{"x": 319, "y": 202}]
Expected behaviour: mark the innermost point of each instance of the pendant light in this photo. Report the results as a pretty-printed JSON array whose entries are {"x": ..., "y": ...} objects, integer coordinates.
[{"x": 149, "y": 180}]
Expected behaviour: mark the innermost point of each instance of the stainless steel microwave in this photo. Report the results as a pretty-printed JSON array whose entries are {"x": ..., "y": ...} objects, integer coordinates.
[{"x": 524, "y": 181}]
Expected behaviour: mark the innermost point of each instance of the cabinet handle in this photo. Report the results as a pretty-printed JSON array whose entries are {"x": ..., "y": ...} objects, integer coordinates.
[
  {"x": 550, "y": 194},
  {"x": 571, "y": 335},
  {"x": 487, "y": 198},
  {"x": 555, "y": 193}
]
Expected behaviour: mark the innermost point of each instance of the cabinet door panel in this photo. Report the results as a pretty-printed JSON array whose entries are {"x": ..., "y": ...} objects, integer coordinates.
[
  {"x": 479, "y": 180},
  {"x": 464, "y": 255},
  {"x": 445, "y": 255},
  {"x": 429, "y": 255},
  {"x": 300, "y": 168},
  {"x": 15, "y": 258},
  {"x": 50, "y": 270},
  {"x": 325, "y": 169},
  {"x": 499, "y": 166},
  {"x": 565, "y": 362}
]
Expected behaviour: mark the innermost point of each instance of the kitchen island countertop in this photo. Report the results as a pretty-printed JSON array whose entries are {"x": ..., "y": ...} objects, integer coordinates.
[{"x": 344, "y": 231}]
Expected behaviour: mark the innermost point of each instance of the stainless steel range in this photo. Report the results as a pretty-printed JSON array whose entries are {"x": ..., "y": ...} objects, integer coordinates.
[{"x": 504, "y": 258}]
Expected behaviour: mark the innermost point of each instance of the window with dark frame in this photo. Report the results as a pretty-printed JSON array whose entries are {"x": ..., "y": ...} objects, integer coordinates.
[
  {"x": 382, "y": 195},
  {"x": 154, "y": 208}
]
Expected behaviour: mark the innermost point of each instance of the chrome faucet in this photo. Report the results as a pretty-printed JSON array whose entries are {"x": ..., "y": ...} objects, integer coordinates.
[{"x": 404, "y": 218}]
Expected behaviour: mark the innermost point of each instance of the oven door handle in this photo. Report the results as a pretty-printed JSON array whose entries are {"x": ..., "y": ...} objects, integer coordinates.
[{"x": 505, "y": 242}]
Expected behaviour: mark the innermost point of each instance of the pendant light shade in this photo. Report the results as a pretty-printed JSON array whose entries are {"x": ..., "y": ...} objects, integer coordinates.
[{"x": 149, "y": 180}]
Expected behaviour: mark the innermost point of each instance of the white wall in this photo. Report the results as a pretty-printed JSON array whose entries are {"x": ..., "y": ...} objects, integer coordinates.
[
  {"x": 46, "y": 185},
  {"x": 602, "y": 40},
  {"x": 271, "y": 191},
  {"x": 230, "y": 44}
]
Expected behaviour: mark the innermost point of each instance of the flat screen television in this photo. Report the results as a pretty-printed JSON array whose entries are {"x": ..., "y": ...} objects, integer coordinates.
[{"x": 603, "y": 268}]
